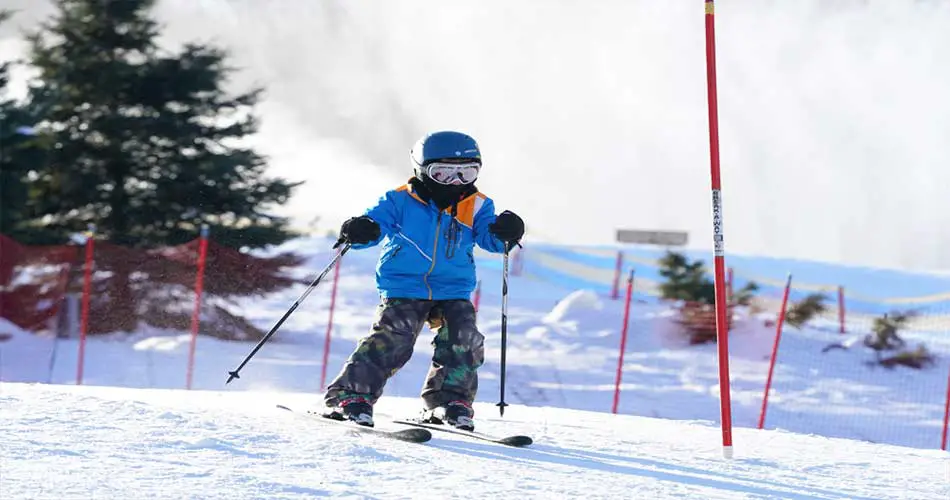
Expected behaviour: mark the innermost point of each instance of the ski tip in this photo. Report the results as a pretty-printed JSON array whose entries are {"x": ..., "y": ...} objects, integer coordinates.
[
  {"x": 413, "y": 435},
  {"x": 282, "y": 407},
  {"x": 518, "y": 441}
]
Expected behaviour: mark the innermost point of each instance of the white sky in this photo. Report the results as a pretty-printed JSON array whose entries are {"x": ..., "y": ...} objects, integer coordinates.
[{"x": 592, "y": 115}]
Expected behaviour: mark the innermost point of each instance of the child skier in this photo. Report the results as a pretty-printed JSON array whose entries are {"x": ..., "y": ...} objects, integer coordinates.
[{"x": 425, "y": 273}]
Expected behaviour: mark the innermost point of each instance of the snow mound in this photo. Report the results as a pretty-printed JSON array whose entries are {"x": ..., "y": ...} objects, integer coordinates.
[
  {"x": 573, "y": 305},
  {"x": 167, "y": 344}
]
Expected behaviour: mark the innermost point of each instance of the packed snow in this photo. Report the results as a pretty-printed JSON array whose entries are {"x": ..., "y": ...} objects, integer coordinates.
[{"x": 62, "y": 442}]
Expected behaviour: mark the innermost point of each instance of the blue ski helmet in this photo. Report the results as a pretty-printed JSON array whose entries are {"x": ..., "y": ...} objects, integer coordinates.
[{"x": 444, "y": 145}]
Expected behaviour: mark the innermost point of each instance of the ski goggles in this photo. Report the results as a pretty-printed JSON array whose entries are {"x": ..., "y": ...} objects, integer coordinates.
[{"x": 453, "y": 173}]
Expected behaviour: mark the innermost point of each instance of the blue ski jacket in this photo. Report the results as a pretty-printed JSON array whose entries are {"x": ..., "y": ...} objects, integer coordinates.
[{"x": 428, "y": 253}]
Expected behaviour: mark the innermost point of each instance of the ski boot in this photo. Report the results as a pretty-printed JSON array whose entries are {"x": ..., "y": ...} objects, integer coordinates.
[
  {"x": 458, "y": 414},
  {"x": 354, "y": 407}
]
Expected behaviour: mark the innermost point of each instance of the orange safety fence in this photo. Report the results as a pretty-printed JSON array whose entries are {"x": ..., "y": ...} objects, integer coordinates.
[
  {"x": 132, "y": 286},
  {"x": 33, "y": 282}
]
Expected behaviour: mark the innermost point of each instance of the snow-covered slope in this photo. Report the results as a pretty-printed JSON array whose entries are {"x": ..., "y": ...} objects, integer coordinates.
[
  {"x": 97, "y": 442},
  {"x": 563, "y": 345}
]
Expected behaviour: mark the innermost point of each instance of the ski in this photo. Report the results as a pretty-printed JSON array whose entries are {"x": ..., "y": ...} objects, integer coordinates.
[
  {"x": 517, "y": 441},
  {"x": 407, "y": 435}
]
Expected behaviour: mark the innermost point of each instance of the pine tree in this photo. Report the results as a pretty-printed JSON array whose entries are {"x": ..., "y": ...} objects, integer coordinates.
[
  {"x": 146, "y": 142},
  {"x": 18, "y": 154},
  {"x": 685, "y": 280},
  {"x": 11, "y": 184},
  {"x": 884, "y": 336},
  {"x": 804, "y": 310}
]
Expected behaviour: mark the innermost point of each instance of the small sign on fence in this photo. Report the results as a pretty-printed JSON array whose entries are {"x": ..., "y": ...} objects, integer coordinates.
[{"x": 664, "y": 238}]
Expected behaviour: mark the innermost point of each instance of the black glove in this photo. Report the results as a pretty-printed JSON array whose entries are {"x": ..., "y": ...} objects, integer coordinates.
[
  {"x": 508, "y": 227},
  {"x": 358, "y": 231}
]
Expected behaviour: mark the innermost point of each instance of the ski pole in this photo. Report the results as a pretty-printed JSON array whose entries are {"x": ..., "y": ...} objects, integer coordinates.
[
  {"x": 504, "y": 327},
  {"x": 234, "y": 374}
]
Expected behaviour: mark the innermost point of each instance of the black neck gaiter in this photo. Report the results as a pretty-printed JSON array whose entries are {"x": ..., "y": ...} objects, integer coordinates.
[{"x": 442, "y": 195}]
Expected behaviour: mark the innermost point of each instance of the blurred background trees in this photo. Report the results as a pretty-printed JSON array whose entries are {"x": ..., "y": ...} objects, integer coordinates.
[{"x": 143, "y": 141}]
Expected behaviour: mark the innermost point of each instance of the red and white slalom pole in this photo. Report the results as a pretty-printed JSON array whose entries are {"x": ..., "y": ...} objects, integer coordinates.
[
  {"x": 196, "y": 314},
  {"x": 722, "y": 319}
]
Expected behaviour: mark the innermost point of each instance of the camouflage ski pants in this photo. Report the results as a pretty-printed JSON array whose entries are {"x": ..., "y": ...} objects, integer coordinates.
[{"x": 458, "y": 352}]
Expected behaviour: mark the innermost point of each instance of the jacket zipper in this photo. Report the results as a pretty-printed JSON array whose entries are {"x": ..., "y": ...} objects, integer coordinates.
[{"x": 435, "y": 253}]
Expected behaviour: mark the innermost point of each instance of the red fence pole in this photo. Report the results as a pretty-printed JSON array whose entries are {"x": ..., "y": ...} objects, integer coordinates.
[
  {"x": 86, "y": 297},
  {"x": 623, "y": 340},
  {"x": 841, "y": 312},
  {"x": 729, "y": 281},
  {"x": 778, "y": 336},
  {"x": 518, "y": 262},
  {"x": 946, "y": 418},
  {"x": 478, "y": 295},
  {"x": 326, "y": 340},
  {"x": 719, "y": 252},
  {"x": 618, "y": 270},
  {"x": 196, "y": 315}
]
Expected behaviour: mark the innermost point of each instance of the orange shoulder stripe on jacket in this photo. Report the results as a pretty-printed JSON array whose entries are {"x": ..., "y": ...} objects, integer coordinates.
[
  {"x": 408, "y": 188},
  {"x": 468, "y": 207}
]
